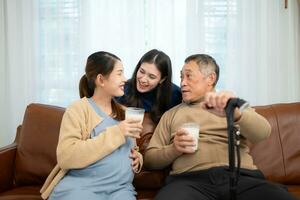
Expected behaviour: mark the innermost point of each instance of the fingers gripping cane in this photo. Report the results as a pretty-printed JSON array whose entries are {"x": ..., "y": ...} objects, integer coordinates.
[{"x": 233, "y": 143}]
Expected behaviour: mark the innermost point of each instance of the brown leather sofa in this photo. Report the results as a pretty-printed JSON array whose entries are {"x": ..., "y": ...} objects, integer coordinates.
[{"x": 25, "y": 164}]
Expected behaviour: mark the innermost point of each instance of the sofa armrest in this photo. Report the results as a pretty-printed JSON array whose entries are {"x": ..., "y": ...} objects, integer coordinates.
[{"x": 7, "y": 159}]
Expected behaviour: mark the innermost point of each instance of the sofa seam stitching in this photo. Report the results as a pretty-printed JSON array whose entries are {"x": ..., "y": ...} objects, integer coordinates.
[{"x": 280, "y": 140}]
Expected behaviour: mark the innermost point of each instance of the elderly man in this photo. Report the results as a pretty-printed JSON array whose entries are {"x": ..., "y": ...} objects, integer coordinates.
[{"x": 203, "y": 173}]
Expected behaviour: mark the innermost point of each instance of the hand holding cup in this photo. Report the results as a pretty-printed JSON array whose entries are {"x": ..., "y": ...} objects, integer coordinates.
[
  {"x": 132, "y": 125},
  {"x": 131, "y": 128},
  {"x": 186, "y": 138}
]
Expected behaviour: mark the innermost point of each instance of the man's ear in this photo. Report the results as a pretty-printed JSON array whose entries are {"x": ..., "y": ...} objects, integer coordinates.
[
  {"x": 212, "y": 78},
  {"x": 162, "y": 80}
]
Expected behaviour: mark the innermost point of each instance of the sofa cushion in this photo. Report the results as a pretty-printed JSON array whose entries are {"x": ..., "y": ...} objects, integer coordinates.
[
  {"x": 295, "y": 190},
  {"x": 36, "y": 151},
  {"x": 22, "y": 193},
  {"x": 150, "y": 179},
  {"x": 267, "y": 154},
  {"x": 278, "y": 156},
  {"x": 288, "y": 116}
]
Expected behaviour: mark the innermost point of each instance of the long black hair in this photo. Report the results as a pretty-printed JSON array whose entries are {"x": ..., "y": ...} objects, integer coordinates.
[{"x": 163, "y": 93}]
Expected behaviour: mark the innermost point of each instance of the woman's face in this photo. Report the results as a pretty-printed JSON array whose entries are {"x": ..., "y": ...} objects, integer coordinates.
[
  {"x": 114, "y": 83},
  {"x": 147, "y": 77}
]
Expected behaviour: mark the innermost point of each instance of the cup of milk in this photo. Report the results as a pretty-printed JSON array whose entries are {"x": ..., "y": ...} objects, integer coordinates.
[{"x": 193, "y": 130}]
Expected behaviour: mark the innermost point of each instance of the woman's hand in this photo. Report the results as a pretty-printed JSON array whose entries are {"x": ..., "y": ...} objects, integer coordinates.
[
  {"x": 131, "y": 128},
  {"x": 135, "y": 160}
]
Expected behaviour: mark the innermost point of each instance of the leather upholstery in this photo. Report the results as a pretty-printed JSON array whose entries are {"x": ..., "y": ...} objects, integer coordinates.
[
  {"x": 278, "y": 157},
  {"x": 34, "y": 159},
  {"x": 26, "y": 163}
]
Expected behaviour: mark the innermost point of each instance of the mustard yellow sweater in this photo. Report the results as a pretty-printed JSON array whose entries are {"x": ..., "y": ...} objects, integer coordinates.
[
  {"x": 213, "y": 148},
  {"x": 75, "y": 148}
]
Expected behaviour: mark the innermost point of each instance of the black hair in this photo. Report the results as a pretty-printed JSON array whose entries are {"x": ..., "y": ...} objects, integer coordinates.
[{"x": 163, "y": 90}]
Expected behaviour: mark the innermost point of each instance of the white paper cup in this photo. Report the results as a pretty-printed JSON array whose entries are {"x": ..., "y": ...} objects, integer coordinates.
[{"x": 193, "y": 130}]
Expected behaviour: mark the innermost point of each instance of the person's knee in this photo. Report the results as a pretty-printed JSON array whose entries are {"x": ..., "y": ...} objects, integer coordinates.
[
  {"x": 180, "y": 191},
  {"x": 74, "y": 195},
  {"x": 280, "y": 193},
  {"x": 267, "y": 191}
]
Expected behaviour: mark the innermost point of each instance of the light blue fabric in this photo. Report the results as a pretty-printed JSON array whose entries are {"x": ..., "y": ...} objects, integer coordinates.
[{"x": 107, "y": 179}]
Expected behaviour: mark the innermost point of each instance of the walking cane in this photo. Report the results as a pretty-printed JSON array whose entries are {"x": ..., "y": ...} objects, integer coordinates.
[{"x": 234, "y": 143}]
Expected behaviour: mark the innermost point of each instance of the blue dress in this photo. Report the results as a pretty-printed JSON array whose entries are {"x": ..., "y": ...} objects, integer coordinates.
[{"x": 107, "y": 179}]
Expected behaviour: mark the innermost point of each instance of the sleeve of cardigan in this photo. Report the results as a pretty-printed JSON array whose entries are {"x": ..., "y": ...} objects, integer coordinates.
[
  {"x": 160, "y": 152},
  {"x": 73, "y": 152}
]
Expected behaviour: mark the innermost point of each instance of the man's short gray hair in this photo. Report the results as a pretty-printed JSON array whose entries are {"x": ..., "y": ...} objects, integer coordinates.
[{"x": 206, "y": 63}]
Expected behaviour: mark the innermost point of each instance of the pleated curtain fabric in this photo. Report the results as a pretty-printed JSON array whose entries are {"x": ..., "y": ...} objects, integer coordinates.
[{"x": 44, "y": 45}]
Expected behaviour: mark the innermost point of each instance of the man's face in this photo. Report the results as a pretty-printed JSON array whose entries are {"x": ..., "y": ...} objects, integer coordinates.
[{"x": 193, "y": 83}]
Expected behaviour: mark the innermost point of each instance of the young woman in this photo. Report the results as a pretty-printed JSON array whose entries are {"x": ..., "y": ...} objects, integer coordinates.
[
  {"x": 151, "y": 85},
  {"x": 95, "y": 156}
]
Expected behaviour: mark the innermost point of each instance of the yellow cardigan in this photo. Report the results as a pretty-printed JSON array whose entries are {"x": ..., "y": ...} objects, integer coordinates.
[{"x": 75, "y": 150}]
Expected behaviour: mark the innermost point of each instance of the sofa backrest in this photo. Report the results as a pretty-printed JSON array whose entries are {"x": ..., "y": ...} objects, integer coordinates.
[
  {"x": 278, "y": 157},
  {"x": 36, "y": 151}
]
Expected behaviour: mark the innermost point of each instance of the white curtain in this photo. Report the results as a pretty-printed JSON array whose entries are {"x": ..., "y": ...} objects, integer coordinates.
[
  {"x": 44, "y": 45},
  {"x": 263, "y": 60},
  {"x": 18, "y": 63}
]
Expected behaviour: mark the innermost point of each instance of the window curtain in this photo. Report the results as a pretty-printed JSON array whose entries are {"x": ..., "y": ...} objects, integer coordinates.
[
  {"x": 263, "y": 57},
  {"x": 44, "y": 45},
  {"x": 18, "y": 63}
]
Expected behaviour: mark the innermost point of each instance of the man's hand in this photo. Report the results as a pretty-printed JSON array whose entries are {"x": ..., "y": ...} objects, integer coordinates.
[
  {"x": 215, "y": 102},
  {"x": 183, "y": 142}
]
